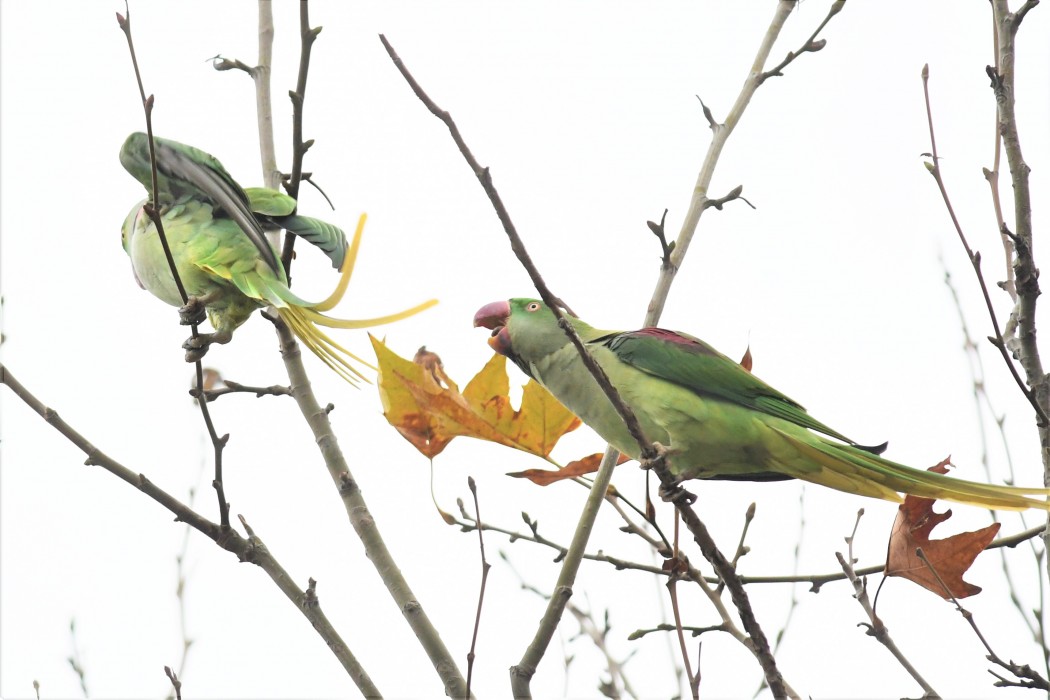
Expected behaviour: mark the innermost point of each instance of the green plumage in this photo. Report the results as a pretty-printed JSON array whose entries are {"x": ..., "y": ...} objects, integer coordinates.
[
  {"x": 216, "y": 232},
  {"x": 717, "y": 420}
]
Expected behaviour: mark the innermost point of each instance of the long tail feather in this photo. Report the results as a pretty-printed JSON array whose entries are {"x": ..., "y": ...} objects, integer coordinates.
[
  {"x": 304, "y": 317},
  {"x": 334, "y": 355},
  {"x": 852, "y": 470},
  {"x": 347, "y": 269},
  {"x": 329, "y": 322}
]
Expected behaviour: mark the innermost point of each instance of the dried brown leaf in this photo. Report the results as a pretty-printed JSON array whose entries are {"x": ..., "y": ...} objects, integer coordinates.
[{"x": 951, "y": 556}]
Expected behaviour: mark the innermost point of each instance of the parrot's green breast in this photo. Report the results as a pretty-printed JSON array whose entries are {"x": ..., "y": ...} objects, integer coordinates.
[
  {"x": 706, "y": 437},
  {"x": 208, "y": 253}
]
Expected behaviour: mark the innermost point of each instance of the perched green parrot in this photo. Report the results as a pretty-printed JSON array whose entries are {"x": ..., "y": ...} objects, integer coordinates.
[
  {"x": 716, "y": 419},
  {"x": 216, "y": 232}
]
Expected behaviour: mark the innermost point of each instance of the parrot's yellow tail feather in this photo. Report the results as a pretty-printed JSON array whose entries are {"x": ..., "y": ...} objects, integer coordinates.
[
  {"x": 329, "y": 322},
  {"x": 853, "y": 470},
  {"x": 304, "y": 318},
  {"x": 338, "y": 358},
  {"x": 347, "y": 269},
  {"x": 313, "y": 312}
]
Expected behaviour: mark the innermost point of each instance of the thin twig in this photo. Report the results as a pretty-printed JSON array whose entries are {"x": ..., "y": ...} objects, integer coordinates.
[
  {"x": 720, "y": 133},
  {"x": 1030, "y": 677},
  {"x": 975, "y": 260},
  {"x": 811, "y": 45},
  {"x": 307, "y": 35},
  {"x": 876, "y": 628},
  {"x": 816, "y": 581},
  {"x": 992, "y": 176},
  {"x": 231, "y": 387},
  {"x": 672, "y": 591},
  {"x": 595, "y": 632},
  {"x": 180, "y": 585},
  {"x": 981, "y": 398},
  {"x": 249, "y": 549},
  {"x": 218, "y": 443},
  {"x": 74, "y": 659},
  {"x": 176, "y": 684},
  {"x": 759, "y": 644},
  {"x": 361, "y": 518},
  {"x": 693, "y": 631},
  {"x": 485, "y": 566},
  {"x": 741, "y": 548}
]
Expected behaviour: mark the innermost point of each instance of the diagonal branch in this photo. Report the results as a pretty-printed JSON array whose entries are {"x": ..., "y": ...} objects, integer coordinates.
[
  {"x": 876, "y": 628},
  {"x": 651, "y": 457},
  {"x": 811, "y": 45},
  {"x": 307, "y": 35},
  {"x": 975, "y": 259},
  {"x": 720, "y": 133},
  {"x": 152, "y": 209},
  {"x": 250, "y": 549},
  {"x": 361, "y": 519}
]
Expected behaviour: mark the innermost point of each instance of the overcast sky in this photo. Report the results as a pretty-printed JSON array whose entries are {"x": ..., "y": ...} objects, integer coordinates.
[{"x": 587, "y": 114}]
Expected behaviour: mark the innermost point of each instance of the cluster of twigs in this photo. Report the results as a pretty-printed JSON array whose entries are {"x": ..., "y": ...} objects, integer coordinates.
[{"x": 1015, "y": 339}]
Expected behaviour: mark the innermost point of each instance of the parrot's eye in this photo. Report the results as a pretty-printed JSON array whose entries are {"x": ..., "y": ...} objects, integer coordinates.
[{"x": 533, "y": 306}]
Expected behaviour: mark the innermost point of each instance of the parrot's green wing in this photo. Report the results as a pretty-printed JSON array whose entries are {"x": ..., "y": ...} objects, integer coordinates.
[
  {"x": 278, "y": 208},
  {"x": 263, "y": 200},
  {"x": 692, "y": 363},
  {"x": 184, "y": 170},
  {"x": 325, "y": 236}
]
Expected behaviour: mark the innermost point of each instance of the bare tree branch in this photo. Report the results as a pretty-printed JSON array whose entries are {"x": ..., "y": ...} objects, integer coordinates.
[
  {"x": 975, "y": 259},
  {"x": 876, "y": 628},
  {"x": 361, "y": 519},
  {"x": 250, "y": 549}
]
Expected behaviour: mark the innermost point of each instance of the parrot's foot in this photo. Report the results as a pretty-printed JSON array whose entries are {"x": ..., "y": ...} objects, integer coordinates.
[
  {"x": 670, "y": 492},
  {"x": 676, "y": 494},
  {"x": 193, "y": 312},
  {"x": 197, "y": 346}
]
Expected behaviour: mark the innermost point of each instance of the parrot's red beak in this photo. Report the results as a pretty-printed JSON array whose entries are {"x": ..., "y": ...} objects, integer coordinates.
[{"x": 494, "y": 316}]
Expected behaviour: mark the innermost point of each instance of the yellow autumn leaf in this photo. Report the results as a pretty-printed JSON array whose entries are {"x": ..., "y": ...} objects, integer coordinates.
[
  {"x": 400, "y": 407},
  {"x": 426, "y": 407}
]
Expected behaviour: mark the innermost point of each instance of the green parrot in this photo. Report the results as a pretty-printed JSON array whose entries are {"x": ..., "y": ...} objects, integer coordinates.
[
  {"x": 216, "y": 232},
  {"x": 716, "y": 419}
]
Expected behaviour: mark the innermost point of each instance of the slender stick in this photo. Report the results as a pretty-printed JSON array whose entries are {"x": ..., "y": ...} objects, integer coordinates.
[
  {"x": 307, "y": 35},
  {"x": 485, "y": 566},
  {"x": 1022, "y": 341},
  {"x": 1028, "y": 677},
  {"x": 721, "y": 132},
  {"x": 218, "y": 443},
  {"x": 263, "y": 101},
  {"x": 975, "y": 259},
  {"x": 362, "y": 521},
  {"x": 877, "y": 628}
]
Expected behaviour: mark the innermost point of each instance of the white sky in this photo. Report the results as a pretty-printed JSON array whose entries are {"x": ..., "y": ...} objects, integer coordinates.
[{"x": 587, "y": 115}]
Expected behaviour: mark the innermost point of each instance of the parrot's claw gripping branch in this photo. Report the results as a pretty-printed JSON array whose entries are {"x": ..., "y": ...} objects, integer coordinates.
[
  {"x": 671, "y": 490},
  {"x": 193, "y": 312},
  {"x": 197, "y": 346}
]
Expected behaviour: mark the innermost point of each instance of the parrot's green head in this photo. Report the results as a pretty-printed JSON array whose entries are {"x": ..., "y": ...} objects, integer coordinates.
[
  {"x": 134, "y": 156},
  {"x": 525, "y": 330},
  {"x": 130, "y": 222}
]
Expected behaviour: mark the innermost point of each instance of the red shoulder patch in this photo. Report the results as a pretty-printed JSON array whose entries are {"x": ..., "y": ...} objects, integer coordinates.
[{"x": 685, "y": 341}]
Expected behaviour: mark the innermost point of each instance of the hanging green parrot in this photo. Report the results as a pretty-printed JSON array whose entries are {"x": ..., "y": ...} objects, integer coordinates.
[
  {"x": 716, "y": 419},
  {"x": 216, "y": 232}
]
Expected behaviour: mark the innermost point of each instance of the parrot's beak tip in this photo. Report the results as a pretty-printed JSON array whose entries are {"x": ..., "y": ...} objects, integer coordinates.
[{"x": 492, "y": 316}]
